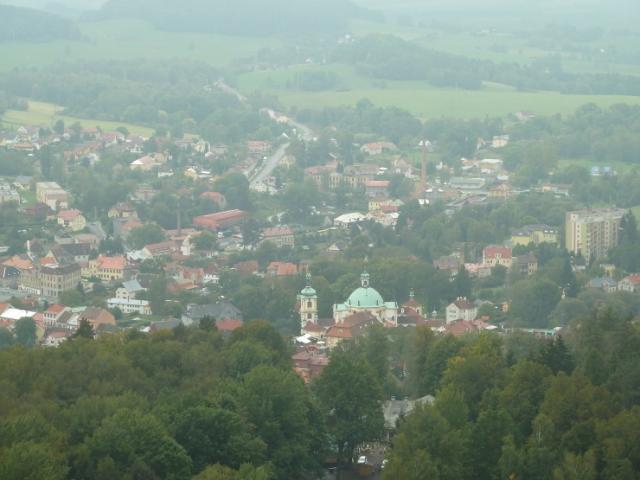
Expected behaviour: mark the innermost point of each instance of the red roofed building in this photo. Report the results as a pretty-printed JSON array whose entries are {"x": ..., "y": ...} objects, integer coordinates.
[
  {"x": 247, "y": 267},
  {"x": 161, "y": 249},
  {"x": 494, "y": 255},
  {"x": 72, "y": 219},
  {"x": 377, "y": 188},
  {"x": 107, "y": 269},
  {"x": 228, "y": 325},
  {"x": 351, "y": 327},
  {"x": 282, "y": 269},
  {"x": 279, "y": 236},
  {"x": 220, "y": 220},
  {"x": 630, "y": 283}
]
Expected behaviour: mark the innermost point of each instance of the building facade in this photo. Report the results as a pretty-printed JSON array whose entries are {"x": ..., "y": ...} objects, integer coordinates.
[{"x": 592, "y": 233}]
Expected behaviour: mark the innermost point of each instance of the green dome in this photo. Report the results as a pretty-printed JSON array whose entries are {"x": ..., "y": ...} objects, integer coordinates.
[
  {"x": 365, "y": 298},
  {"x": 308, "y": 292}
]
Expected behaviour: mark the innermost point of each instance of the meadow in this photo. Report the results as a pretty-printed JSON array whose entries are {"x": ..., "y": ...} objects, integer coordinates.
[
  {"x": 419, "y": 98},
  {"x": 47, "y": 114}
]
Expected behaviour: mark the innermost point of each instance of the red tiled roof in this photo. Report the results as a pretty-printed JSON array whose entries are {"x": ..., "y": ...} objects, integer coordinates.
[
  {"x": 69, "y": 214},
  {"x": 282, "y": 269},
  {"x": 493, "y": 250},
  {"x": 228, "y": 325},
  {"x": 113, "y": 263}
]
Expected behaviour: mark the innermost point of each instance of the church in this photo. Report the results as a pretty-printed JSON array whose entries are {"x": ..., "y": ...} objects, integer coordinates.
[{"x": 364, "y": 307}]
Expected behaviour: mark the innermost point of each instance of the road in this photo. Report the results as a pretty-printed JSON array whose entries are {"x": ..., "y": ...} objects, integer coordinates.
[
  {"x": 304, "y": 132},
  {"x": 268, "y": 166}
]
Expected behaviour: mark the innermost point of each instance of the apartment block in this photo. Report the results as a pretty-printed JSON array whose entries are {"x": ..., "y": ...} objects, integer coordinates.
[{"x": 592, "y": 232}]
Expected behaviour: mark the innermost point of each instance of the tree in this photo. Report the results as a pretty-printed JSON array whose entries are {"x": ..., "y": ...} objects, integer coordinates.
[
  {"x": 72, "y": 298},
  {"x": 6, "y": 338},
  {"x": 32, "y": 461},
  {"x": 299, "y": 199},
  {"x": 139, "y": 442},
  {"x": 144, "y": 235},
  {"x": 207, "y": 323},
  {"x": 25, "y": 331},
  {"x": 533, "y": 301},
  {"x": 462, "y": 283},
  {"x": 205, "y": 241},
  {"x": 277, "y": 403},
  {"x": 351, "y": 400},
  {"x": 214, "y": 435},
  {"x": 85, "y": 330}
]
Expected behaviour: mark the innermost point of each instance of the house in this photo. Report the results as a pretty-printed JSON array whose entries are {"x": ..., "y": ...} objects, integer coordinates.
[
  {"x": 279, "y": 236},
  {"x": 258, "y": 148},
  {"x": 11, "y": 315},
  {"x": 500, "y": 141},
  {"x": 630, "y": 283},
  {"x": 282, "y": 269},
  {"x": 377, "y": 188},
  {"x": 160, "y": 249},
  {"x": 53, "y": 314},
  {"x": 309, "y": 363},
  {"x": 72, "y": 220},
  {"x": 211, "y": 275},
  {"x": 129, "y": 290},
  {"x": 607, "y": 284},
  {"x": 122, "y": 210},
  {"x": 216, "y": 197},
  {"x": 535, "y": 234},
  {"x": 55, "y": 337},
  {"x": 377, "y": 148},
  {"x": 450, "y": 264},
  {"x": 348, "y": 219},
  {"x": 495, "y": 255},
  {"x": 107, "y": 269},
  {"x": 220, "y": 220},
  {"x": 52, "y": 195},
  {"x": 97, "y": 317},
  {"x": 525, "y": 264},
  {"x": 70, "y": 252},
  {"x": 141, "y": 307},
  {"x": 461, "y": 309},
  {"x": 228, "y": 325},
  {"x": 220, "y": 311},
  {"x": 461, "y": 327},
  {"x": 147, "y": 162},
  {"x": 352, "y": 326}
]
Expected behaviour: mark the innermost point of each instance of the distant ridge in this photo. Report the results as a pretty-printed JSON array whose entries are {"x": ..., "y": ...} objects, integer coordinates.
[
  {"x": 30, "y": 25},
  {"x": 239, "y": 17}
]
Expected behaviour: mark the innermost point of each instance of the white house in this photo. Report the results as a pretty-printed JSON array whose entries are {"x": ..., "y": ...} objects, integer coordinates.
[
  {"x": 461, "y": 309},
  {"x": 130, "y": 306}
]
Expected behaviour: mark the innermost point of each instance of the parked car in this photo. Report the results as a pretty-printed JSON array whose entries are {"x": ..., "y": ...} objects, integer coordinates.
[{"x": 362, "y": 460}]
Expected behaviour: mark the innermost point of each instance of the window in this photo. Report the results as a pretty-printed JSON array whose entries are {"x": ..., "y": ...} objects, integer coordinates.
[{"x": 309, "y": 304}]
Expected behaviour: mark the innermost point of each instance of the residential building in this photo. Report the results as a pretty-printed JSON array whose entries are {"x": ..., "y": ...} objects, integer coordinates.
[
  {"x": 161, "y": 249},
  {"x": 122, "y": 210},
  {"x": 98, "y": 317},
  {"x": 630, "y": 283},
  {"x": 129, "y": 290},
  {"x": 141, "y": 307},
  {"x": 8, "y": 194},
  {"x": 352, "y": 326},
  {"x": 52, "y": 195},
  {"x": 606, "y": 284},
  {"x": 535, "y": 234},
  {"x": 592, "y": 233},
  {"x": 107, "y": 269},
  {"x": 377, "y": 188},
  {"x": 72, "y": 220},
  {"x": 495, "y": 255},
  {"x": 50, "y": 280},
  {"x": 220, "y": 311},
  {"x": 282, "y": 269},
  {"x": 461, "y": 309},
  {"x": 279, "y": 236},
  {"x": 525, "y": 264}
]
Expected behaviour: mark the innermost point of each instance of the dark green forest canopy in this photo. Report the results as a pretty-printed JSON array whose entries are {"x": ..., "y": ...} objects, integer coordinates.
[
  {"x": 28, "y": 25},
  {"x": 239, "y": 17}
]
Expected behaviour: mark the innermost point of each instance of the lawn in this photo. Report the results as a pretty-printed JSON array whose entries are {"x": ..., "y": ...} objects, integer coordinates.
[
  {"x": 619, "y": 167},
  {"x": 46, "y": 114}
]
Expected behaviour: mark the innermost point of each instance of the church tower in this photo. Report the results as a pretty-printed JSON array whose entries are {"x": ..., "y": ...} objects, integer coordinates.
[{"x": 308, "y": 301}]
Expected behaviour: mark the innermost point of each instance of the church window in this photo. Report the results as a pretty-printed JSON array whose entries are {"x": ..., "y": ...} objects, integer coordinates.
[
  {"x": 309, "y": 304},
  {"x": 309, "y": 316}
]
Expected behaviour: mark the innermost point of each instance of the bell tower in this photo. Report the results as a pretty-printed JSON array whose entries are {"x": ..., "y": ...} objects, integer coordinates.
[{"x": 308, "y": 301}]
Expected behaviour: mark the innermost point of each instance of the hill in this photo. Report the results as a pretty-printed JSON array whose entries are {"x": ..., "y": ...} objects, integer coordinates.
[
  {"x": 29, "y": 25},
  {"x": 239, "y": 17}
]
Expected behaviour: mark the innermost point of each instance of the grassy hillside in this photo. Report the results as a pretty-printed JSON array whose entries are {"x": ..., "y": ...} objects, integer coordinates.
[{"x": 46, "y": 114}]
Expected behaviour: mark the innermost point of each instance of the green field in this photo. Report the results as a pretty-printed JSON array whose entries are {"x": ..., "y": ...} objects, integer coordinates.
[
  {"x": 132, "y": 39},
  {"x": 46, "y": 114},
  {"x": 620, "y": 167},
  {"x": 419, "y": 98}
]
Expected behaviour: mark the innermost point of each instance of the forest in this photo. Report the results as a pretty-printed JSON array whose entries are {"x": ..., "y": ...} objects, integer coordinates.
[
  {"x": 29, "y": 25},
  {"x": 192, "y": 403}
]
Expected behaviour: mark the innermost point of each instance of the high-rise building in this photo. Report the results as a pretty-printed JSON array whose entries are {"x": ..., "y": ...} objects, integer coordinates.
[{"x": 592, "y": 232}]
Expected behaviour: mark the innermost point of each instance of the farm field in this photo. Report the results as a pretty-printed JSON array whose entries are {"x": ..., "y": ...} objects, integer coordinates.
[{"x": 46, "y": 114}]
